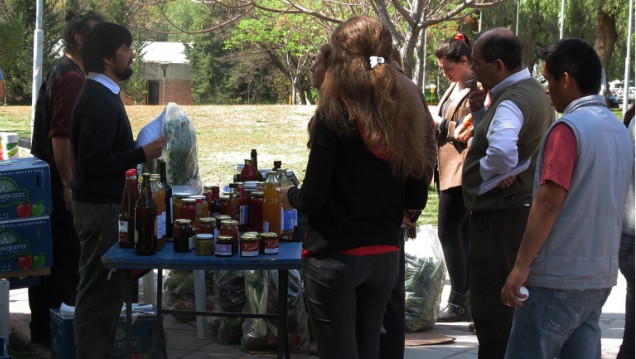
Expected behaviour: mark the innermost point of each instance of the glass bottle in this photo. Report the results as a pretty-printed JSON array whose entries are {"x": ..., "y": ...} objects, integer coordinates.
[
  {"x": 272, "y": 208},
  {"x": 254, "y": 157},
  {"x": 233, "y": 205},
  {"x": 146, "y": 220},
  {"x": 127, "y": 214},
  {"x": 167, "y": 190},
  {"x": 290, "y": 214},
  {"x": 159, "y": 197},
  {"x": 215, "y": 203},
  {"x": 256, "y": 211},
  {"x": 249, "y": 173},
  {"x": 244, "y": 208}
]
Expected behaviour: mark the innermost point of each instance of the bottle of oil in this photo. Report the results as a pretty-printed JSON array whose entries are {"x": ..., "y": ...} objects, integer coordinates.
[
  {"x": 272, "y": 207},
  {"x": 167, "y": 190},
  {"x": 146, "y": 220},
  {"x": 127, "y": 215}
]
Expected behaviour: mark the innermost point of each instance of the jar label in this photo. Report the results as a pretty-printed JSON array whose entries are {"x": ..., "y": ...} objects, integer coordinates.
[
  {"x": 271, "y": 246},
  {"x": 249, "y": 249},
  {"x": 222, "y": 249},
  {"x": 288, "y": 220},
  {"x": 244, "y": 215}
]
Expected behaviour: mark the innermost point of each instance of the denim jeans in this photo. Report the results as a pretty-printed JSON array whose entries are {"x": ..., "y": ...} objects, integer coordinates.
[
  {"x": 347, "y": 296},
  {"x": 626, "y": 265},
  {"x": 558, "y": 323}
]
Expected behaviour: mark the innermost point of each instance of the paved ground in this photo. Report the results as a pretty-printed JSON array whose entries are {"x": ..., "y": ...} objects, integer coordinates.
[{"x": 183, "y": 344}]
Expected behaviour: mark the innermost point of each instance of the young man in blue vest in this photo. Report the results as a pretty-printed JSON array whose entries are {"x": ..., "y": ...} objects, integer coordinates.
[{"x": 568, "y": 258}]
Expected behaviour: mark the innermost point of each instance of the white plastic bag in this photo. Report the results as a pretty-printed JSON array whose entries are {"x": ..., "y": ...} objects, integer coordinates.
[
  {"x": 425, "y": 272},
  {"x": 180, "y": 153}
]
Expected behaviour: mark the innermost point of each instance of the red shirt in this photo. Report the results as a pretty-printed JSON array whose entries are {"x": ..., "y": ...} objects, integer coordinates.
[
  {"x": 63, "y": 94},
  {"x": 559, "y": 156}
]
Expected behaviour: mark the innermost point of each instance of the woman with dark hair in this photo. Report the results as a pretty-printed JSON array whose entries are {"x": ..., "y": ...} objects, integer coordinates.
[
  {"x": 453, "y": 131},
  {"x": 318, "y": 70},
  {"x": 368, "y": 163}
]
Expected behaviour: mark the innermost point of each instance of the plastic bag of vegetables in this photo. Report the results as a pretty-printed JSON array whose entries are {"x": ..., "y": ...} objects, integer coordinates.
[
  {"x": 261, "y": 289},
  {"x": 180, "y": 153},
  {"x": 229, "y": 294},
  {"x": 424, "y": 276}
]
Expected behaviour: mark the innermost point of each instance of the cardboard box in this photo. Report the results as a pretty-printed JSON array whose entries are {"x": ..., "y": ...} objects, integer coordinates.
[
  {"x": 144, "y": 329},
  {"x": 25, "y": 245},
  {"x": 25, "y": 189}
]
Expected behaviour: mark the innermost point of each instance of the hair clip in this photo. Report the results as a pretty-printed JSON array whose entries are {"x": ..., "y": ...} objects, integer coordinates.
[
  {"x": 461, "y": 37},
  {"x": 375, "y": 61}
]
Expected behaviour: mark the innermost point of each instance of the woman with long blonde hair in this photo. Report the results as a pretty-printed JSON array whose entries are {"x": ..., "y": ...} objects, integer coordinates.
[{"x": 368, "y": 164}]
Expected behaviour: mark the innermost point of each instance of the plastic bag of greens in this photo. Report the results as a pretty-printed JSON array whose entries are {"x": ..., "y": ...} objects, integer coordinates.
[
  {"x": 180, "y": 153},
  {"x": 178, "y": 293},
  {"x": 229, "y": 294},
  {"x": 425, "y": 272},
  {"x": 261, "y": 288}
]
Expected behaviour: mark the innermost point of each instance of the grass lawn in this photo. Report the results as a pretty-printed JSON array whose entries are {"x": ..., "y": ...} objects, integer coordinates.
[{"x": 226, "y": 135}]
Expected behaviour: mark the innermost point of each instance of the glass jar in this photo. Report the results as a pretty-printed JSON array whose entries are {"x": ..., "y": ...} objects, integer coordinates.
[
  {"x": 201, "y": 206},
  {"x": 182, "y": 235},
  {"x": 249, "y": 244},
  {"x": 204, "y": 244},
  {"x": 223, "y": 246},
  {"x": 177, "y": 199},
  {"x": 207, "y": 225},
  {"x": 223, "y": 200},
  {"x": 220, "y": 218},
  {"x": 256, "y": 211},
  {"x": 269, "y": 243},
  {"x": 188, "y": 209},
  {"x": 230, "y": 228}
]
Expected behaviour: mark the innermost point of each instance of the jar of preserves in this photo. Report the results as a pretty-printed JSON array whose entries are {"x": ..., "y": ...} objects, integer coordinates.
[
  {"x": 201, "y": 206},
  {"x": 188, "y": 209},
  {"x": 220, "y": 218},
  {"x": 269, "y": 243},
  {"x": 223, "y": 200},
  {"x": 249, "y": 244},
  {"x": 182, "y": 235},
  {"x": 230, "y": 228},
  {"x": 223, "y": 246},
  {"x": 204, "y": 244},
  {"x": 177, "y": 199},
  {"x": 256, "y": 211},
  {"x": 207, "y": 225}
]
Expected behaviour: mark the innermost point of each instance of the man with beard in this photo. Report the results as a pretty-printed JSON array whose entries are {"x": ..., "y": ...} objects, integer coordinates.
[{"x": 103, "y": 149}]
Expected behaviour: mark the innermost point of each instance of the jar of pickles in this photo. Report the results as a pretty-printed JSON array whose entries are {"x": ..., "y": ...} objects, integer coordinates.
[
  {"x": 204, "y": 244},
  {"x": 249, "y": 244},
  {"x": 223, "y": 246},
  {"x": 269, "y": 243},
  {"x": 182, "y": 235},
  {"x": 230, "y": 228}
]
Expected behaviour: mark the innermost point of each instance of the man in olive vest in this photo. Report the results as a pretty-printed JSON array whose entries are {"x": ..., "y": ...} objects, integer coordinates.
[
  {"x": 568, "y": 258},
  {"x": 507, "y": 134}
]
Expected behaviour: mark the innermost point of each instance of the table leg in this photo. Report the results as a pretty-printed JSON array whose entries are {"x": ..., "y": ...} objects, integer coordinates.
[
  {"x": 162, "y": 334},
  {"x": 200, "y": 301},
  {"x": 283, "y": 347},
  {"x": 129, "y": 327}
]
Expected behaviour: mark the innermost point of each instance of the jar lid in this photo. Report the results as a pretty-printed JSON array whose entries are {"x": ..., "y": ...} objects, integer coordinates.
[
  {"x": 257, "y": 194},
  {"x": 229, "y": 222},
  {"x": 224, "y": 238},
  {"x": 197, "y": 196},
  {"x": 207, "y": 220},
  {"x": 222, "y": 217},
  {"x": 252, "y": 233},
  {"x": 181, "y": 194},
  {"x": 189, "y": 200},
  {"x": 208, "y": 186},
  {"x": 249, "y": 237},
  {"x": 204, "y": 236},
  {"x": 183, "y": 221},
  {"x": 131, "y": 172},
  {"x": 269, "y": 235}
]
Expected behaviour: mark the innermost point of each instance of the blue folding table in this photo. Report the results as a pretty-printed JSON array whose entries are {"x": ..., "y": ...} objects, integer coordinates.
[{"x": 287, "y": 258}]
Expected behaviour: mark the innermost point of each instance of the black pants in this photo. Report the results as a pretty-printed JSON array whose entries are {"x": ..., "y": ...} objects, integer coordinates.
[
  {"x": 494, "y": 241},
  {"x": 392, "y": 342},
  {"x": 61, "y": 285},
  {"x": 453, "y": 224}
]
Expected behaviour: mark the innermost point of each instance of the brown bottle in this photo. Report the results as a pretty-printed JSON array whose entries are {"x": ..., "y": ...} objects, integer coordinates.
[
  {"x": 127, "y": 214},
  {"x": 146, "y": 220}
]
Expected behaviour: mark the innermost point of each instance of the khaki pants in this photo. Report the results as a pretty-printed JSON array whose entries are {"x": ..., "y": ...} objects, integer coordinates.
[{"x": 100, "y": 297}]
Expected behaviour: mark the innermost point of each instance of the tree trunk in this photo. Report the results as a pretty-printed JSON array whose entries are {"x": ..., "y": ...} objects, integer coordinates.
[
  {"x": 420, "y": 60},
  {"x": 606, "y": 37},
  {"x": 410, "y": 40}
]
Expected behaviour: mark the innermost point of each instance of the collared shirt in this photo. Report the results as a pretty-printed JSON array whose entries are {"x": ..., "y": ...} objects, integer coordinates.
[
  {"x": 503, "y": 133},
  {"x": 104, "y": 80}
]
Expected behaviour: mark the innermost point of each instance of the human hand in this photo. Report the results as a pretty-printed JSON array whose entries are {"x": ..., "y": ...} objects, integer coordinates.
[
  {"x": 153, "y": 149},
  {"x": 68, "y": 198},
  {"x": 464, "y": 130},
  {"x": 476, "y": 97},
  {"x": 511, "y": 291},
  {"x": 507, "y": 182}
]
